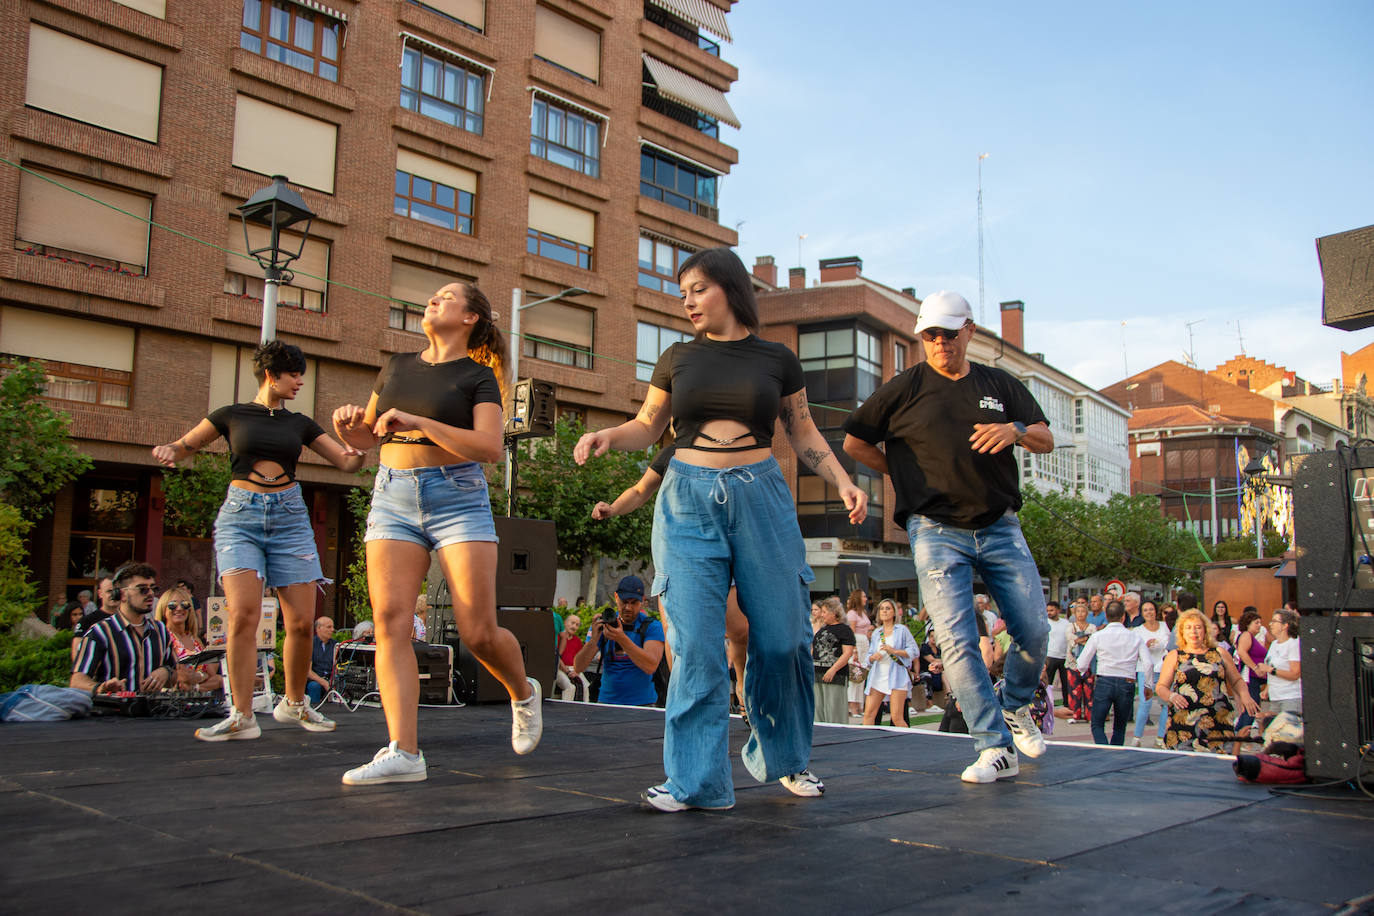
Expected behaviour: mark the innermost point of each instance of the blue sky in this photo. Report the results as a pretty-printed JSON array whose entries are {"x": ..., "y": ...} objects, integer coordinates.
[{"x": 1152, "y": 164}]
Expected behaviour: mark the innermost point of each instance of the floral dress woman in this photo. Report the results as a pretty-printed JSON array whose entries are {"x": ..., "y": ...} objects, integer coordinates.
[{"x": 1205, "y": 722}]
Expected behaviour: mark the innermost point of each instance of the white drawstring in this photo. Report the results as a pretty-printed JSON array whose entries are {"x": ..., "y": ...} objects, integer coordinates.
[{"x": 718, "y": 490}]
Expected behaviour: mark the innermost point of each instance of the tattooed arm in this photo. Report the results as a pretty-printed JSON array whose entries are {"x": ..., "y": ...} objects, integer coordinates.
[
  {"x": 641, "y": 432},
  {"x": 814, "y": 452},
  {"x": 200, "y": 436}
]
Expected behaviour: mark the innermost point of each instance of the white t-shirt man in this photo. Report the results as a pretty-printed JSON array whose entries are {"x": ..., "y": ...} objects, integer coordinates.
[{"x": 1058, "y": 644}]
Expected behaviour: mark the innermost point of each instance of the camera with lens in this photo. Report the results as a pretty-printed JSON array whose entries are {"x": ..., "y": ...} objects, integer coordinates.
[{"x": 610, "y": 617}]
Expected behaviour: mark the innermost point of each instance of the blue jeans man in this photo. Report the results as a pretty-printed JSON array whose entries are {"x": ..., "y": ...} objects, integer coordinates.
[
  {"x": 946, "y": 558},
  {"x": 1117, "y": 696}
]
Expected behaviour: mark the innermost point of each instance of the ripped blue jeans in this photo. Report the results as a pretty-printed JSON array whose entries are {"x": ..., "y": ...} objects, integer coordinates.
[
  {"x": 946, "y": 558},
  {"x": 711, "y": 525}
]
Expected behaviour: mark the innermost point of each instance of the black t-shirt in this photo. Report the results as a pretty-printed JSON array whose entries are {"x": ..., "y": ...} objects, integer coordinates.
[
  {"x": 444, "y": 391},
  {"x": 925, "y": 420},
  {"x": 660, "y": 463},
  {"x": 827, "y": 645},
  {"x": 83, "y": 626},
  {"x": 742, "y": 380},
  {"x": 256, "y": 433}
]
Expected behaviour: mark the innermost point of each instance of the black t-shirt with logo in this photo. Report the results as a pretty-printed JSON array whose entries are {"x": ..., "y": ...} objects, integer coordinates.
[
  {"x": 827, "y": 645},
  {"x": 925, "y": 421}
]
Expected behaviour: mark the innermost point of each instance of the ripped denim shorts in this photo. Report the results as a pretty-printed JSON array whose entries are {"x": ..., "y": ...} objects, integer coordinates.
[{"x": 269, "y": 533}]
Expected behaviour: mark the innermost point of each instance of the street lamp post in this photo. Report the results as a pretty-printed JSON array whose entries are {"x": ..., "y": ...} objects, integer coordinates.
[
  {"x": 517, "y": 344},
  {"x": 277, "y": 207}
]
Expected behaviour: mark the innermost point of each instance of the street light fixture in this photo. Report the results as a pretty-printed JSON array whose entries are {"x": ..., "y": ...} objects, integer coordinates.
[
  {"x": 517, "y": 344},
  {"x": 277, "y": 207}
]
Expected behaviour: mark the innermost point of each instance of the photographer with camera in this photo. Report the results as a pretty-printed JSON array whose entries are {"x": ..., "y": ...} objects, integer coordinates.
[{"x": 631, "y": 646}]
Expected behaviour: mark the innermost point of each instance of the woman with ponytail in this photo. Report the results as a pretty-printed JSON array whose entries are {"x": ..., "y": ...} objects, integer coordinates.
[{"x": 437, "y": 416}]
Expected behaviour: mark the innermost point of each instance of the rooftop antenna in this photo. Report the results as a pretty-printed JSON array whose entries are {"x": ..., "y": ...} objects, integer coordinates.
[
  {"x": 1240, "y": 337},
  {"x": 800, "y": 237},
  {"x": 1125, "y": 368},
  {"x": 981, "y": 157},
  {"x": 1192, "y": 356}
]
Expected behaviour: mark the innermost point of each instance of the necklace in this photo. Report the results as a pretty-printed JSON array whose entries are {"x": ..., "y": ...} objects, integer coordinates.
[{"x": 271, "y": 411}]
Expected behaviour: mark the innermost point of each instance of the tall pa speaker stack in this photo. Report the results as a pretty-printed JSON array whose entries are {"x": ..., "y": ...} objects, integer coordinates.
[
  {"x": 1333, "y": 521},
  {"x": 526, "y": 573}
]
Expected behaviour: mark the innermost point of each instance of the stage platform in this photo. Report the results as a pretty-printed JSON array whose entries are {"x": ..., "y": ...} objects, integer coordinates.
[{"x": 134, "y": 816}]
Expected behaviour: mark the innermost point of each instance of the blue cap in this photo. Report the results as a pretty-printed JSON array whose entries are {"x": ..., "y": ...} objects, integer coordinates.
[{"x": 631, "y": 588}]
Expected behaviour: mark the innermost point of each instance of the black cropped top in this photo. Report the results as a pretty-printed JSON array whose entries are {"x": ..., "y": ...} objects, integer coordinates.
[
  {"x": 446, "y": 391},
  {"x": 741, "y": 380},
  {"x": 255, "y": 433}
]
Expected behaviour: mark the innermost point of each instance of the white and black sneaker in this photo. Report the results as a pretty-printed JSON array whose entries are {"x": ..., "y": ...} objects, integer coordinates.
[
  {"x": 660, "y": 799},
  {"x": 1025, "y": 734},
  {"x": 805, "y": 784},
  {"x": 993, "y": 763}
]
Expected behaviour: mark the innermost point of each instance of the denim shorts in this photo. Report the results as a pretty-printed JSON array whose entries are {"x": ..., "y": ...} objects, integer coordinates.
[
  {"x": 433, "y": 507},
  {"x": 270, "y": 534}
]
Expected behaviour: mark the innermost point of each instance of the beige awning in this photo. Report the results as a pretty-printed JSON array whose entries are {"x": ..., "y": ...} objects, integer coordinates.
[
  {"x": 688, "y": 90},
  {"x": 699, "y": 13}
]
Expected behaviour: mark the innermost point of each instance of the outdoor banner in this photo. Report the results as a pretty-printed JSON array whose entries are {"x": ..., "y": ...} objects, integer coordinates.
[{"x": 217, "y": 623}]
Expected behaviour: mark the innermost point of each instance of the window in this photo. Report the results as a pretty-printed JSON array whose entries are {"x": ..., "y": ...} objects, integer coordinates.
[
  {"x": 56, "y": 221},
  {"x": 898, "y": 358},
  {"x": 567, "y": 44},
  {"x": 276, "y": 141},
  {"x": 565, "y": 137},
  {"x": 244, "y": 277},
  {"x": 659, "y": 261},
  {"x": 679, "y": 27},
  {"x": 677, "y": 183},
  {"x": 821, "y": 512},
  {"x": 839, "y": 364},
  {"x": 558, "y": 333},
  {"x": 232, "y": 380},
  {"x": 435, "y": 192},
  {"x": 87, "y": 362},
  {"x": 650, "y": 343},
  {"x": 1156, "y": 392},
  {"x": 285, "y": 31},
  {"x": 469, "y": 13},
  {"x": 1078, "y": 410},
  {"x": 411, "y": 288},
  {"x": 90, "y": 83},
  {"x": 560, "y": 232},
  {"x": 447, "y": 89}
]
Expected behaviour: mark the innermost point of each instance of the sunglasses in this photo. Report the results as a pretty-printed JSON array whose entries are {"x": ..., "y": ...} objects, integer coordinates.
[
  {"x": 179, "y": 605},
  {"x": 930, "y": 335},
  {"x": 145, "y": 588}
]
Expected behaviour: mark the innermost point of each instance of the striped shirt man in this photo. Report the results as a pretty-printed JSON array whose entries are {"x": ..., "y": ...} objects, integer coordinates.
[{"x": 113, "y": 649}]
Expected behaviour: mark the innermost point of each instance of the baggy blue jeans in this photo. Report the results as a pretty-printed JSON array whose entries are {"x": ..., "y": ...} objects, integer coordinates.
[
  {"x": 946, "y": 558},
  {"x": 711, "y": 525}
]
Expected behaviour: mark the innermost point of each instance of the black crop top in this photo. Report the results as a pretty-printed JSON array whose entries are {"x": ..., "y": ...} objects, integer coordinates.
[
  {"x": 446, "y": 391},
  {"x": 661, "y": 458},
  {"x": 257, "y": 434},
  {"x": 741, "y": 380}
]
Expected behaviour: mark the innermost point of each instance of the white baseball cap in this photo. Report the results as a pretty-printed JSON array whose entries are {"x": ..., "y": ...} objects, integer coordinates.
[{"x": 944, "y": 309}]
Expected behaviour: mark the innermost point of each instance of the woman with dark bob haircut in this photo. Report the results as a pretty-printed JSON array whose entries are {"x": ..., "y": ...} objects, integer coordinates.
[
  {"x": 724, "y": 511},
  {"x": 263, "y": 536}
]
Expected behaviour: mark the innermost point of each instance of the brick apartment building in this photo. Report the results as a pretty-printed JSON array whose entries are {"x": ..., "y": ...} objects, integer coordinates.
[
  {"x": 533, "y": 146},
  {"x": 1188, "y": 424},
  {"x": 852, "y": 334}
]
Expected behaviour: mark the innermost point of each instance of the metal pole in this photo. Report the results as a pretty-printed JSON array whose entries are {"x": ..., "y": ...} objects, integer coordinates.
[
  {"x": 517, "y": 296},
  {"x": 1214, "y": 511},
  {"x": 269, "y": 306}
]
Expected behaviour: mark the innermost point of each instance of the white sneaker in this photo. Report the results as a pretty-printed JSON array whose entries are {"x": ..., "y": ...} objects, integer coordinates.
[
  {"x": 806, "y": 784},
  {"x": 659, "y": 798},
  {"x": 389, "y": 765},
  {"x": 1133, "y": 742},
  {"x": 1025, "y": 734},
  {"x": 992, "y": 764},
  {"x": 527, "y": 720},
  {"x": 1159, "y": 743},
  {"x": 304, "y": 715},
  {"x": 236, "y": 727}
]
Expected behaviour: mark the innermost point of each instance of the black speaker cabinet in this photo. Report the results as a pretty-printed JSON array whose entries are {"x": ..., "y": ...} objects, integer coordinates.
[
  {"x": 1347, "y": 264},
  {"x": 1333, "y": 526},
  {"x": 533, "y": 629},
  {"x": 357, "y": 665},
  {"x": 532, "y": 411},
  {"x": 1337, "y": 692},
  {"x": 526, "y": 562}
]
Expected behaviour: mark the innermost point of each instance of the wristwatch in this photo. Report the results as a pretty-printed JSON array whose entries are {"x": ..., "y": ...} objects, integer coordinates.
[{"x": 1020, "y": 431}]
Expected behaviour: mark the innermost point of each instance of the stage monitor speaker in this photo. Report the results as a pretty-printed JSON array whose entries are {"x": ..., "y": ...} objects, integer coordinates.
[
  {"x": 534, "y": 631},
  {"x": 357, "y": 665},
  {"x": 1333, "y": 528},
  {"x": 532, "y": 410},
  {"x": 1337, "y": 693},
  {"x": 526, "y": 562},
  {"x": 1347, "y": 265}
]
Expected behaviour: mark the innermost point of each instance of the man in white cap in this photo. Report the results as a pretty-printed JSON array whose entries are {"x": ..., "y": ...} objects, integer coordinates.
[{"x": 947, "y": 427}]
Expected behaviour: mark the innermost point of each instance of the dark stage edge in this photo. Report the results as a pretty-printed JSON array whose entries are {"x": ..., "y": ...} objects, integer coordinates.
[{"x": 134, "y": 816}]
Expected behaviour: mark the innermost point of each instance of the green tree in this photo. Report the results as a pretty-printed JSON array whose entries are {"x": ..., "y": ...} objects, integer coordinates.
[
  {"x": 1150, "y": 542},
  {"x": 552, "y": 486},
  {"x": 358, "y": 500},
  {"x": 194, "y": 494},
  {"x": 23, "y": 659},
  {"x": 38, "y": 457},
  {"x": 1053, "y": 524}
]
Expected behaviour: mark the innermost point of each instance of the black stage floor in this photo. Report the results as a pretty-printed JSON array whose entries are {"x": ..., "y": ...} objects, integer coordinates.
[{"x": 134, "y": 816}]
